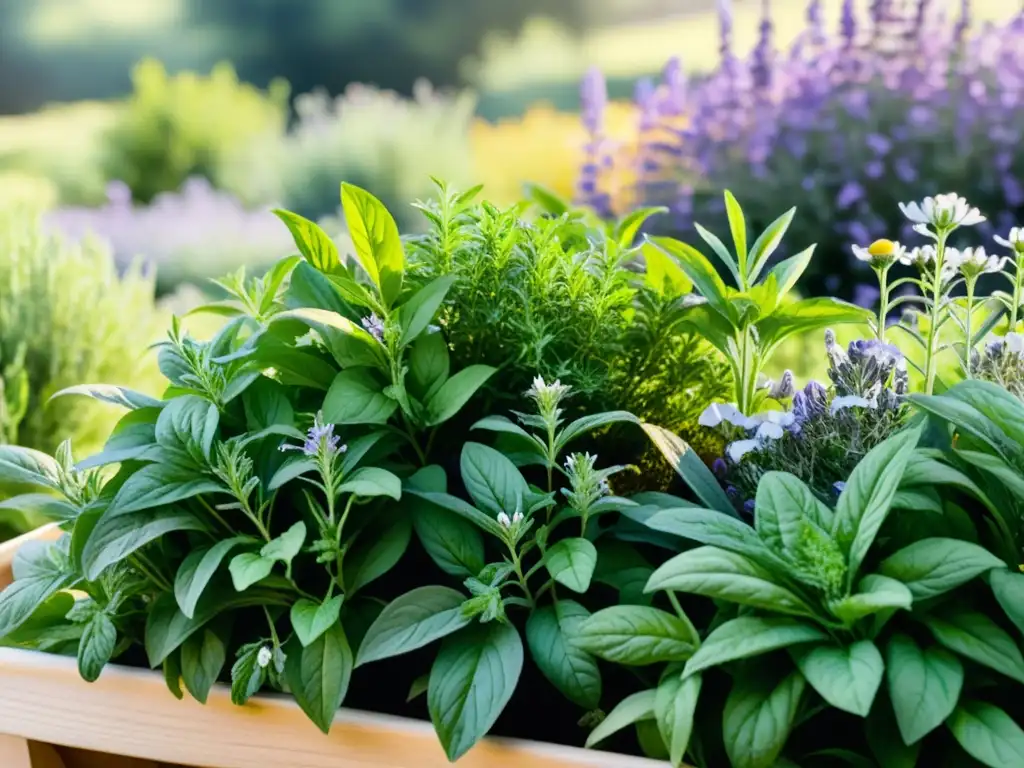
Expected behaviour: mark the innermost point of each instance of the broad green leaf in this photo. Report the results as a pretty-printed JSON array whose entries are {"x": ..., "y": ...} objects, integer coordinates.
[
  {"x": 294, "y": 467},
  {"x": 663, "y": 273},
  {"x": 172, "y": 675},
  {"x": 26, "y": 466},
  {"x": 493, "y": 482},
  {"x": 865, "y": 502},
  {"x": 924, "y": 686},
  {"x": 723, "y": 575},
  {"x": 875, "y": 594},
  {"x": 309, "y": 287},
  {"x": 108, "y": 393},
  {"x": 188, "y": 420},
  {"x": 1008, "y": 587},
  {"x": 967, "y": 419},
  {"x": 116, "y": 536},
  {"x": 571, "y": 562},
  {"x": 674, "y": 706},
  {"x": 415, "y": 314},
  {"x": 472, "y": 679},
  {"x": 931, "y": 567},
  {"x": 749, "y": 636},
  {"x": 357, "y": 397},
  {"x": 202, "y": 660},
  {"x": 632, "y": 709},
  {"x": 286, "y": 546},
  {"x": 366, "y": 445},
  {"x": 266, "y": 405},
  {"x": 784, "y": 504},
  {"x": 788, "y": 271},
  {"x": 455, "y": 393},
  {"x": 997, "y": 404},
  {"x": 585, "y": 424},
  {"x": 689, "y": 466},
  {"x": 198, "y": 568},
  {"x": 846, "y": 676},
  {"x": 34, "y": 505},
  {"x": 429, "y": 363},
  {"x": 758, "y": 718},
  {"x": 884, "y": 738},
  {"x": 699, "y": 270},
  {"x": 349, "y": 344},
  {"x": 767, "y": 243},
  {"x": 96, "y": 646},
  {"x": 462, "y": 509},
  {"x": 310, "y": 620},
  {"x": 375, "y": 239},
  {"x": 372, "y": 481},
  {"x": 975, "y": 636},
  {"x": 453, "y": 543},
  {"x": 160, "y": 485},
  {"x": 412, "y": 621},
  {"x": 637, "y": 635},
  {"x": 807, "y": 315},
  {"x": 551, "y": 633},
  {"x": 318, "y": 675},
  {"x": 378, "y": 549},
  {"x": 502, "y": 424},
  {"x": 1002, "y": 472},
  {"x": 988, "y": 734},
  {"x": 313, "y": 243},
  {"x": 248, "y": 568}
]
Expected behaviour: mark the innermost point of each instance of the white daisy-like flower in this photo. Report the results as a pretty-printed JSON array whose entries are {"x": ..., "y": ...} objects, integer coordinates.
[
  {"x": 737, "y": 450},
  {"x": 919, "y": 257},
  {"x": 768, "y": 431},
  {"x": 975, "y": 262},
  {"x": 942, "y": 212},
  {"x": 880, "y": 254},
  {"x": 1014, "y": 241}
]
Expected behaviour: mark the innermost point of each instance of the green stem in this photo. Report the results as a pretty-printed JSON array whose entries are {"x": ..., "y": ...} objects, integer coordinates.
[
  {"x": 933, "y": 324},
  {"x": 883, "y": 306},
  {"x": 341, "y": 554},
  {"x": 215, "y": 515},
  {"x": 681, "y": 613},
  {"x": 968, "y": 337},
  {"x": 518, "y": 566},
  {"x": 1018, "y": 283}
]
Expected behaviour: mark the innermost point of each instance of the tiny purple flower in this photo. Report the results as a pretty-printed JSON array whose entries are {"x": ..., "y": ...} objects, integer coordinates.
[
  {"x": 838, "y": 487},
  {"x": 374, "y": 326},
  {"x": 719, "y": 467},
  {"x": 319, "y": 437}
]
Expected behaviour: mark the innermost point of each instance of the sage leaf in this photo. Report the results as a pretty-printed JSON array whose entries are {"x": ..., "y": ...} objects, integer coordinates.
[
  {"x": 846, "y": 676},
  {"x": 632, "y": 709},
  {"x": 571, "y": 562},
  {"x": 96, "y": 647},
  {"x": 472, "y": 679},
  {"x": 455, "y": 393},
  {"x": 551, "y": 634},
  {"x": 310, "y": 620},
  {"x": 931, "y": 567},
  {"x": 637, "y": 635},
  {"x": 988, "y": 734},
  {"x": 924, "y": 686},
  {"x": 198, "y": 568},
  {"x": 356, "y": 396},
  {"x": 493, "y": 482},
  {"x": 249, "y": 568},
  {"x": 412, "y": 621},
  {"x": 749, "y": 636},
  {"x": 116, "y": 536},
  {"x": 202, "y": 659},
  {"x": 1008, "y": 587},
  {"x": 318, "y": 675},
  {"x": 723, "y": 575},
  {"x": 368, "y": 482},
  {"x": 675, "y": 704},
  {"x": 758, "y": 718},
  {"x": 975, "y": 636}
]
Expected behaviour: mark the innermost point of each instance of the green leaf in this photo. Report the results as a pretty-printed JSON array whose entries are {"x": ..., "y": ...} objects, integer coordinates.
[
  {"x": 493, "y": 482},
  {"x": 202, "y": 659},
  {"x": 637, "y": 635},
  {"x": 551, "y": 634},
  {"x": 975, "y": 636},
  {"x": 884, "y": 739},
  {"x": 313, "y": 243},
  {"x": 674, "y": 706},
  {"x": 931, "y": 567},
  {"x": 96, "y": 646},
  {"x": 462, "y": 509},
  {"x": 266, "y": 405},
  {"x": 248, "y": 568},
  {"x": 415, "y": 314},
  {"x": 967, "y": 419},
  {"x": 997, "y": 404},
  {"x": 767, "y": 243},
  {"x": 26, "y": 466},
  {"x": 632, "y": 709},
  {"x": 318, "y": 675},
  {"x": 116, "y": 536},
  {"x": 372, "y": 481},
  {"x": 846, "y": 676},
  {"x": 663, "y": 273},
  {"x": 308, "y": 287},
  {"x": 172, "y": 675},
  {"x": 349, "y": 344},
  {"x": 718, "y": 247},
  {"x": 627, "y": 228},
  {"x": 700, "y": 272},
  {"x": 723, "y": 575},
  {"x": 376, "y": 241},
  {"x": 870, "y": 489},
  {"x": 806, "y": 315},
  {"x": 379, "y": 549},
  {"x": 455, "y": 393},
  {"x": 286, "y": 546},
  {"x": 356, "y": 397},
  {"x": 1008, "y": 587},
  {"x": 188, "y": 420},
  {"x": 108, "y": 393},
  {"x": 758, "y": 718},
  {"x": 689, "y": 466},
  {"x": 875, "y": 594},
  {"x": 784, "y": 506},
  {"x": 454, "y": 544},
  {"x": 310, "y": 620},
  {"x": 160, "y": 485},
  {"x": 472, "y": 679},
  {"x": 247, "y": 676},
  {"x": 571, "y": 562},
  {"x": 924, "y": 686},
  {"x": 198, "y": 568},
  {"x": 429, "y": 363},
  {"x": 738, "y": 228},
  {"x": 585, "y": 424},
  {"x": 749, "y": 636},
  {"x": 412, "y": 621},
  {"x": 988, "y": 734},
  {"x": 788, "y": 271},
  {"x": 294, "y": 467}
]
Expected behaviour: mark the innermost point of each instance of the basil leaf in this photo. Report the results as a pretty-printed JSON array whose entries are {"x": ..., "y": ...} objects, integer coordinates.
[
  {"x": 846, "y": 676},
  {"x": 319, "y": 674},
  {"x": 924, "y": 686},
  {"x": 975, "y": 636},
  {"x": 571, "y": 562},
  {"x": 637, "y": 635},
  {"x": 198, "y": 568},
  {"x": 202, "y": 659},
  {"x": 988, "y": 734},
  {"x": 551, "y": 635},
  {"x": 455, "y": 393},
  {"x": 758, "y": 718},
  {"x": 356, "y": 396},
  {"x": 310, "y": 620},
  {"x": 931, "y": 567},
  {"x": 675, "y": 704},
  {"x": 751, "y": 636},
  {"x": 412, "y": 621},
  {"x": 632, "y": 709}
]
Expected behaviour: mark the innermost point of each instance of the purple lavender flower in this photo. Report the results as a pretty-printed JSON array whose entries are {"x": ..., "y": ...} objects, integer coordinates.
[
  {"x": 749, "y": 506},
  {"x": 374, "y": 326},
  {"x": 719, "y": 467},
  {"x": 320, "y": 440},
  {"x": 593, "y": 99}
]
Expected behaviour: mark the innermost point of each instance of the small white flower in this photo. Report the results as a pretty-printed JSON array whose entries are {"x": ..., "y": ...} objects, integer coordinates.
[
  {"x": 716, "y": 413},
  {"x": 264, "y": 657},
  {"x": 945, "y": 212},
  {"x": 919, "y": 257},
  {"x": 504, "y": 521},
  {"x": 517, "y": 518},
  {"x": 975, "y": 262},
  {"x": 737, "y": 450},
  {"x": 778, "y": 418},
  {"x": 1014, "y": 241},
  {"x": 1014, "y": 343},
  {"x": 541, "y": 389},
  {"x": 880, "y": 253},
  {"x": 768, "y": 431}
]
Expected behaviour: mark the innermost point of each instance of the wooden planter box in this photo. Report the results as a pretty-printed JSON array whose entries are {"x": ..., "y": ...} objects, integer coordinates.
[{"x": 51, "y": 718}]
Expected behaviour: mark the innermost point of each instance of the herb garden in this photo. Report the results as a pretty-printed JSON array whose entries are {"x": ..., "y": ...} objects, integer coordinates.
[{"x": 541, "y": 484}]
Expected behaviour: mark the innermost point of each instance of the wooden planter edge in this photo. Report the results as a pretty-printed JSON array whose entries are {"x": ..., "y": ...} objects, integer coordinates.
[{"x": 129, "y": 712}]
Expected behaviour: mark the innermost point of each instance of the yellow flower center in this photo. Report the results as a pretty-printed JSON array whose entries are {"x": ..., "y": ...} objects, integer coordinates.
[{"x": 882, "y": 248}]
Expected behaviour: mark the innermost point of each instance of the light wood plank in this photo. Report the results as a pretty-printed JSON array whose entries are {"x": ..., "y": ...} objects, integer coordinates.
[
  {"x": 83, "y": 758},
  {"x": 14, "y": 752}
]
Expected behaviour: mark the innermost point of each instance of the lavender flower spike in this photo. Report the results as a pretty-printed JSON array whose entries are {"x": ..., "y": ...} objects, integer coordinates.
[
  {"x": 374, "y": 326},
  {"x": 319, "y": 438}
]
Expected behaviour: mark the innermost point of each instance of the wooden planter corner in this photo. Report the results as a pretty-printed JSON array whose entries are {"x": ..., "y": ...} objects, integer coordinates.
[{"x": 51, "y": 718}]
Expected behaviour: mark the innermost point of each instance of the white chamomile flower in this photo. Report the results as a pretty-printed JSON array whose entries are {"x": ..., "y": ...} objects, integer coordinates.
[
  {"x": 880, "y": 254},
  {"x": 920, "y": 257},
  {"x": 716, "y": 413},
  {"x": 1014, "y": 241},
  {"x": 974, "y": 262},
  {"x": 942, "y": 212}
]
